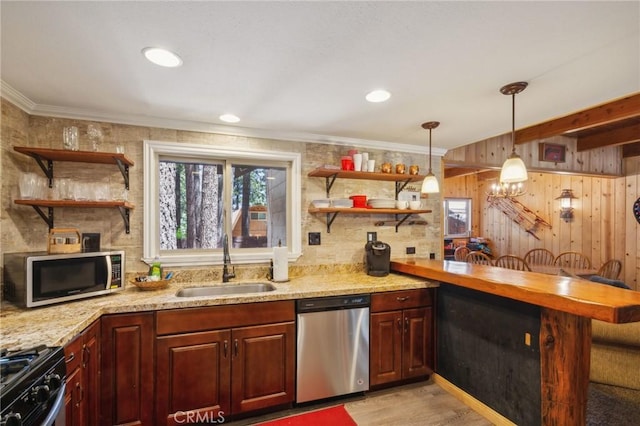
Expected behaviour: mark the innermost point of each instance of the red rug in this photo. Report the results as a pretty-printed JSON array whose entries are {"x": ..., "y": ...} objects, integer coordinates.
[{"x": 337, "y": 416}]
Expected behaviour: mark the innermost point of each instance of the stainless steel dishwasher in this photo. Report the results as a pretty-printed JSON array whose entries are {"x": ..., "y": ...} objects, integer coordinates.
[{"x": 332, "y": 346}]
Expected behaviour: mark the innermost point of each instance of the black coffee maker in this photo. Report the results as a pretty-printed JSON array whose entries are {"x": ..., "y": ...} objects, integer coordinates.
[{"x": 378, "y": 256}]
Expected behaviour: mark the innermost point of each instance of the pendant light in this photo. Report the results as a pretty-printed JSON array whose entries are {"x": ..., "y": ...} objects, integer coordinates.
[
  {"x": 430, "y": 183},
  {"x": 513, "y": 169},
  {"x": 514, "y": 172}
]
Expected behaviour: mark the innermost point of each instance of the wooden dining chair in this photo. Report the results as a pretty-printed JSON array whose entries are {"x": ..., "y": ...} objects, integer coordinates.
[
  {"x": 510, "y": 261},
  {"x": 460, "y": 254},
  {"x": 572, "y": 259},
  {"x": 539, "y": 256},
  {"x": 478, "y": 258},
  {"x": 610, "y": 269}
]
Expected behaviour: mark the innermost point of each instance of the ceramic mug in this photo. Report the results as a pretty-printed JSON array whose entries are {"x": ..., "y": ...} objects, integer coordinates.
[
  {"x": 415, "y": 205},
  {"x": 402, "y": 204}
]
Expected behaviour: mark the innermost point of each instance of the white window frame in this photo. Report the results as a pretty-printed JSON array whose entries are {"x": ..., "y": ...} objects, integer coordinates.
[
  {"x": 467, "y": 234},
  {"x": 153, "y": 150}
]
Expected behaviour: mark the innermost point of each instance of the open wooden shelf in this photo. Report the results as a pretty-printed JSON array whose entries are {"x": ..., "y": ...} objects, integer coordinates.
[
  {"x": 348, "y": 174},
  {"x": 355, "y": 210},
  {"x": 40, "y": 155},
  {"x": 332, "y": 212},
  {"x": 74, "y": 156},
  {"x": 123, "y": 206},
  {"x": 401, "y": 181}
]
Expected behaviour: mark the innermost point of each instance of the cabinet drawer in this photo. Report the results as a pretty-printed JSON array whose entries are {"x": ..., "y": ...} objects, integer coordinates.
[
  {"x": 73, "y": 354},
  {"x": 402, "y": 299},
  {"x": 189, "y": 320}
]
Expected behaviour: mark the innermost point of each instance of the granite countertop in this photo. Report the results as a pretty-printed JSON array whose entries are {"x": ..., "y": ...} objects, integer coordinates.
[{"x": 56, "y": 325}]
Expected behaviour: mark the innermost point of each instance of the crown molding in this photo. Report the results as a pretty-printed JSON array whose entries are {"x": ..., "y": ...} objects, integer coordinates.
[
  {"x": 27, "y": 105},
  {"x": 17, "y": 98}
]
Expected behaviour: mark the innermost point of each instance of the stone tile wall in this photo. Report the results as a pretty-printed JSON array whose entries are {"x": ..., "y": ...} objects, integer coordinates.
[{"x": 23, "y": 230}]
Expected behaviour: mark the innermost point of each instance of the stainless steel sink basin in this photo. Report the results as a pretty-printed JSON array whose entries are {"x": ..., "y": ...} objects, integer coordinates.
[{"x": 225, "y": 289}]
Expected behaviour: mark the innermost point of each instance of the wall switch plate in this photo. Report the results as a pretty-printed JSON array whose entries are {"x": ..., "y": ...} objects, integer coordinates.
[
  {"x": 411, "y": 250},
  {"x": 314, "y": 238},
  {"x": 372, "y": 236}
]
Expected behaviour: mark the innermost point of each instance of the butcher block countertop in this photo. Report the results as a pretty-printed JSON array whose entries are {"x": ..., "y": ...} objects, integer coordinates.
[
  {"x": 564, "y": 294},
  {"x": 57, "y": 324}
]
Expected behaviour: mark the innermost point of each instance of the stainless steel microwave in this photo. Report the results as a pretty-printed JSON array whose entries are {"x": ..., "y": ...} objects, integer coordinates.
[{"x": 38, "y": 279}]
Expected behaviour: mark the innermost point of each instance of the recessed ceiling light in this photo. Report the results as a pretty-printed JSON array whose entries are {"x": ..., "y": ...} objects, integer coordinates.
[
  {"x": 378, "y": 96},
  {"x": 162, "y": 57},
  {"x": 229, "y": 118}
]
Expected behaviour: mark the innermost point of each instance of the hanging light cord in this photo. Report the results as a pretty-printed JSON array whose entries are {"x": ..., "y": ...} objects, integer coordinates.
[
  {"x": 513, "y": 123},
  {"x": 429, "y": 150}
]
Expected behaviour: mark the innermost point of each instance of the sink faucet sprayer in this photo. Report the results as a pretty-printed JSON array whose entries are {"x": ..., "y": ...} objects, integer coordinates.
[{"x": 226, "y": 260}]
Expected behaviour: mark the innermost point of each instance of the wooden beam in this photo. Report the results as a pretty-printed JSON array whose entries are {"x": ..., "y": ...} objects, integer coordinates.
[
  {"x": 620, "y": 109},
  {"x": 617, "y": 136},
  {"x": 631, "y": 150}
]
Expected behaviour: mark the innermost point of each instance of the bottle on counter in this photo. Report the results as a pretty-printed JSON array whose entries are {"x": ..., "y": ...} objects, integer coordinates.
[{"x": 155, "y": 271}]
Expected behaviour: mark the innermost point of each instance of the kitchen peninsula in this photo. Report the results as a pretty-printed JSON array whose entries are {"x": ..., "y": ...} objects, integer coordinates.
[{"x": 560, "y": 310}]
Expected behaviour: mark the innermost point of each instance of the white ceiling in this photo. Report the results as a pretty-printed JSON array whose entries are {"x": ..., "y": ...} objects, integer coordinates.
[{"x": 302, "y": 69}]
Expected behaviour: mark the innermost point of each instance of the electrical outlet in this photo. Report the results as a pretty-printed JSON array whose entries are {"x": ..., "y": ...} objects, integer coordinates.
[
  {"x": 372, "y": 236},
  {"x": 314, "y": 238},
  {"x": 411, "y": 250},
  {"x": 432, "y": 255}
]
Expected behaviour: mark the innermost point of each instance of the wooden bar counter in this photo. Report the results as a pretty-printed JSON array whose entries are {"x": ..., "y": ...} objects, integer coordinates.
[{"x": 567, "y": 306}]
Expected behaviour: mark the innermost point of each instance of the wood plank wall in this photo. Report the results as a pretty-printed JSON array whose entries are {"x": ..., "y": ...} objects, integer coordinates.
[{"x": 603, "y": 226}]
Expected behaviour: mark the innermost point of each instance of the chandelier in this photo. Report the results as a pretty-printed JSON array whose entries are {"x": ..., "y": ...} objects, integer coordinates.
[{"x": 513, "y": 174}]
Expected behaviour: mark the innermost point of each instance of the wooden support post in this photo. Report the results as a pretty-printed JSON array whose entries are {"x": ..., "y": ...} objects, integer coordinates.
[{"x": 565, "y": 346}]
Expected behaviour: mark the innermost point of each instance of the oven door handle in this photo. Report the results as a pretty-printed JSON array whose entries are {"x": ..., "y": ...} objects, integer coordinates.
[{"x": 57, "y": 413}]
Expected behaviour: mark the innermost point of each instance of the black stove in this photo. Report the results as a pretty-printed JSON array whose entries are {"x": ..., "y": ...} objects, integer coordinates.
[{"x": 32, "y": 386}]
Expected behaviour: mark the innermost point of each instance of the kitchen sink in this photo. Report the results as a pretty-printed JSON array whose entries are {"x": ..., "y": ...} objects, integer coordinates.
[{"x": 225, "y": 289}]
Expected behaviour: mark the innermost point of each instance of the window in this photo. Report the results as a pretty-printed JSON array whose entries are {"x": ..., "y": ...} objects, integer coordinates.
[
  {"x": 457, "y": 217},
  {"x": 196, "y": 194}
]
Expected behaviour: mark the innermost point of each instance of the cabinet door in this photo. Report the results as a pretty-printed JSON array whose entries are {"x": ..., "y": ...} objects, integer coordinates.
[
  {"x": 193, "y": 374},
  {"x": 73, "y": 398},
  {"x": 74, "y": 392},
  {"x": 127, "y": 369},
  {"x": 262, "y": 366},
  {"x": 91, "y": 372},
  {"x": 417, "y": 352},
  {"x": 386, "y": 347}
]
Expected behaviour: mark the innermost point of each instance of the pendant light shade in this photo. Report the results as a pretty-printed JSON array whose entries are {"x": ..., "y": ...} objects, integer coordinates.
[
  {"x": 430, "y": 184},
  {"x": 513, "y": 170}
]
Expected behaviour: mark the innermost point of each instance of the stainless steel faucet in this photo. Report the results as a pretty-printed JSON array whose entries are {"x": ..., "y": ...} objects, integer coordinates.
[{"x": 226, "y": 259}]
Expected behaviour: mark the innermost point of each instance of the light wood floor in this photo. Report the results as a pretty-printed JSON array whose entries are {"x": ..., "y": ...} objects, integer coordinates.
[{"x": 424, "y": 403}]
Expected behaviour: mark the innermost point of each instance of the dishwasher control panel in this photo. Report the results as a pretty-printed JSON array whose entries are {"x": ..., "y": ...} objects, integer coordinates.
[{"x": 333, "y": 302}]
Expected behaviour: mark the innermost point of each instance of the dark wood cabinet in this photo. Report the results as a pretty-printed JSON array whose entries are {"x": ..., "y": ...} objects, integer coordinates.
[
  {"x": 193, "y": 373},
  {"x": 401, "y": 336},
  {"x": 73, "y": 396},
  {"x": 82, "y": 393},
  {"x": 263, "y": 367},
  {"x": 238, "y": 366},
  {"x": 127, "y": 382}
]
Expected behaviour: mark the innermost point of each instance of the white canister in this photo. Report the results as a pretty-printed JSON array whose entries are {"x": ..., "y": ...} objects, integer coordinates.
[
  {"x": 371, "y": 165},
  {"x": 365, "y": 162},
  {"x": 357, "y": 162}
]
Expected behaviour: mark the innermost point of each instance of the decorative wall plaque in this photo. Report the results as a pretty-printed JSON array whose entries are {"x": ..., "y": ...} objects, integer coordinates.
[{"x": 552, "y": 152}]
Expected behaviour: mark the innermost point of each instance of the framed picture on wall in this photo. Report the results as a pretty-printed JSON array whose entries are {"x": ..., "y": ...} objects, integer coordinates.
[{"x": 552, "y": 152}]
